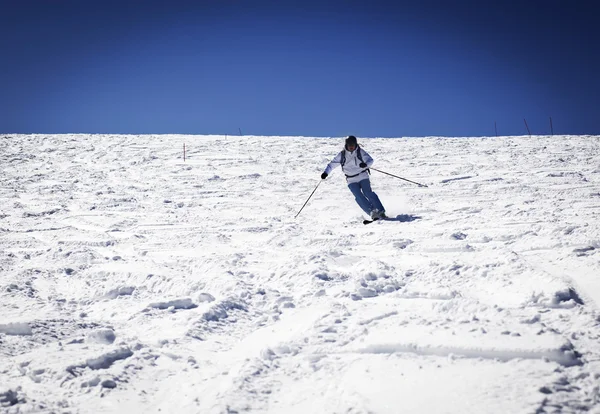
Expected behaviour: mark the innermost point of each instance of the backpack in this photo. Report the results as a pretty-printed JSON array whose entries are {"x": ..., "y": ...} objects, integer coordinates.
[{"x": 358, "y": 154}]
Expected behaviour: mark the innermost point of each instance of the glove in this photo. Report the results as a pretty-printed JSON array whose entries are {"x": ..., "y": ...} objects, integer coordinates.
[
  {"x": 362, "y": 165},
  {"x": 323, "y": 176}
]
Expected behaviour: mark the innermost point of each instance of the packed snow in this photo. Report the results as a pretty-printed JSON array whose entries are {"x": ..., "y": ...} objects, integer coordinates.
[{"x": 133, "y": 280}]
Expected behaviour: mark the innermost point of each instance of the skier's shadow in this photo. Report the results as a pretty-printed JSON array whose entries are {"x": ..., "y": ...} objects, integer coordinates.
[{"x": 404, "y": 218}]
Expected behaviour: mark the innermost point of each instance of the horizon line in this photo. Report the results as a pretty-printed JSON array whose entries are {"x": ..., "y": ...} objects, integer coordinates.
[{"x": 299, "y": 136}]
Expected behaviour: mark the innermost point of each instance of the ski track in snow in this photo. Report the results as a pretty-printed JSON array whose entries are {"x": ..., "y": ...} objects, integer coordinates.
[{"x": 132, "y": 281}]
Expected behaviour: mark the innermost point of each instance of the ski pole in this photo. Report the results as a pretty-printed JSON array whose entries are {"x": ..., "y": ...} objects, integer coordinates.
[
  {"x": 383, "y": 172},
  {"x": 311, "y": 194}
]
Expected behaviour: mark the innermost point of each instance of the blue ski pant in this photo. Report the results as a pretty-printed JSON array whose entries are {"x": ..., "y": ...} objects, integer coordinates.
[{"x": 365, "y": 197}]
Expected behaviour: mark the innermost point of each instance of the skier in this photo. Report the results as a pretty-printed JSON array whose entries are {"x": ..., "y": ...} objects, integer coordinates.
[{"x": 355, "y": 164}]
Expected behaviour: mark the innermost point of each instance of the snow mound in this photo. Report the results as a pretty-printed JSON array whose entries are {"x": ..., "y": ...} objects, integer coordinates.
[
  {"x": 17, "y": 328},
  {"x": 102, "y": 336},
  {"x": 104, "y": 361},
  {"x": 185, "y": 303}
]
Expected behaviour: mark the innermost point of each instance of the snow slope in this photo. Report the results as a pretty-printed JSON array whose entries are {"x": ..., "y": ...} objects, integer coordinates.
[{"x": 132, "y": 281}]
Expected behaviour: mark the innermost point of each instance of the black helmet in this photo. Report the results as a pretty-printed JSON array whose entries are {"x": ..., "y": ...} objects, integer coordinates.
[{"x": 351, "y": 140}]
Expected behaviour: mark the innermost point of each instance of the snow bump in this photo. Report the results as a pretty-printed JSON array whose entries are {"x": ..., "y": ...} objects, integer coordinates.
[
  {"x": 185, "y": 303},
  {"x": 17, "y": 328},
  {"x": 106, "y": 360},
  {"x": 565, "y": 356}
]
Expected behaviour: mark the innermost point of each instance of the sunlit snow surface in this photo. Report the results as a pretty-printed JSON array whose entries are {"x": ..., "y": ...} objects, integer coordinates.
[{"x": 134, "y": 281}]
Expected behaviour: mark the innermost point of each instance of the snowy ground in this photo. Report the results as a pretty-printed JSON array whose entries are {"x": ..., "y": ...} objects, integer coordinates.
[{"x": 132, "y": 281}]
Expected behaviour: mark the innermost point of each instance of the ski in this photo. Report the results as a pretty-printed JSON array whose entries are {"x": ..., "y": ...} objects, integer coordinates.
[{"x": 370, "y": 221}]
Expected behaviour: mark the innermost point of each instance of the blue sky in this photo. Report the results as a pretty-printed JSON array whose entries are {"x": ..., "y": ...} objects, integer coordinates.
[{"x": 370, "y": 68}]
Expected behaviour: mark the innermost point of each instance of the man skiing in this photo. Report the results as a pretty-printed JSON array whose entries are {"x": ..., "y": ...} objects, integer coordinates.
[{"x": 355, "y": 163}]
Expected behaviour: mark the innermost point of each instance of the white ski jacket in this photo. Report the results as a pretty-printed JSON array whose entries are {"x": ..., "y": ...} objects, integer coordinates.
[{"x": 354, "y": 173}]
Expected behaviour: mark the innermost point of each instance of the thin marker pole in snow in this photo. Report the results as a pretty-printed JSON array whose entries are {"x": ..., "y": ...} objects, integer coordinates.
[
  {"x": 527, "y": 126},
  {"x": 311, "y": 194},
  {"x": 183, "y": 152},
  {"x": 383, "y": 172},
  {"x": 496, "y": 128},
  {"x": 551, "y": 129},
  {"x": 240, "y": 131}
]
